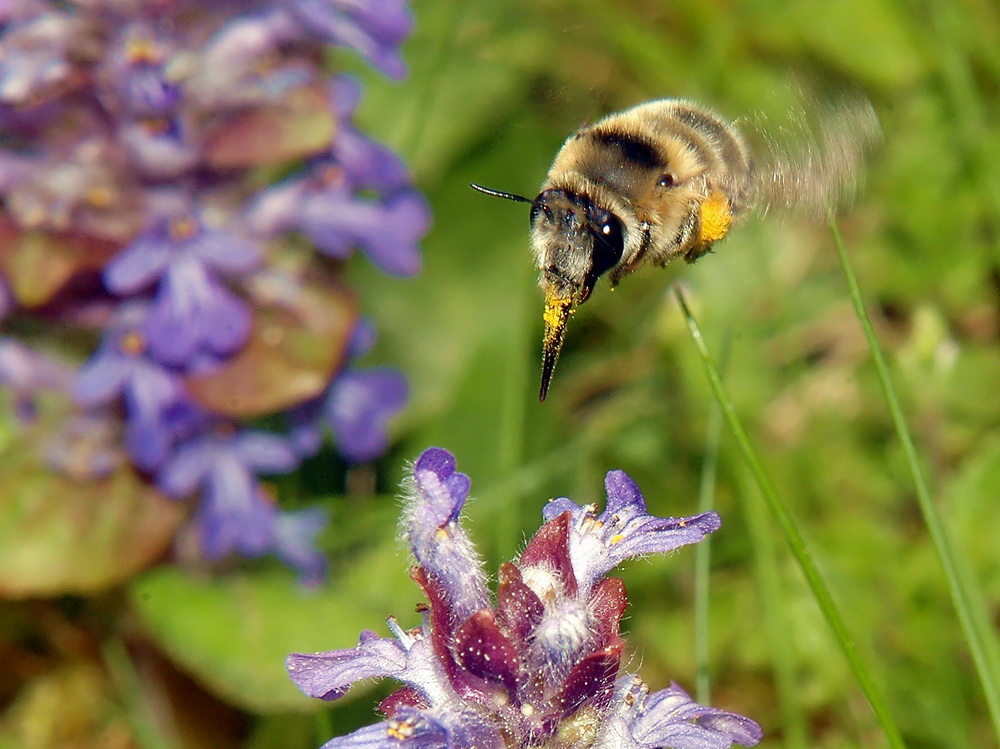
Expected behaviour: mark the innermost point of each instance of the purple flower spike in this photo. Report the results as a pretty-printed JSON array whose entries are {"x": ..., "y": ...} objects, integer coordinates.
[
  {"x": 540, "y": 668},
  {"x": 134, "y": 136},
  {"x": 599, "y": 543}
]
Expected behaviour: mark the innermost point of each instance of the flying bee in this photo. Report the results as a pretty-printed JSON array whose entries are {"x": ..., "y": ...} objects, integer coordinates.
[{"x": 668, "y": 179}]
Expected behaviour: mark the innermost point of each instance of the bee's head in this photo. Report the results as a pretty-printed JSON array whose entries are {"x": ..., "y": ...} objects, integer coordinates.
[{"x": 576, "y": 241}]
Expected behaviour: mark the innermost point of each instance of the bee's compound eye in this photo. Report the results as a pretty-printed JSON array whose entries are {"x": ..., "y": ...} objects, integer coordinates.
[
  {"x": 609, "y": 246},
  {"x": 666, "y": 180}
]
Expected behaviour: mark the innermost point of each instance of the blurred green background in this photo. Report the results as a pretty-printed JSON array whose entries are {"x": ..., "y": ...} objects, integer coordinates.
[{"x": 493, "y": 90}]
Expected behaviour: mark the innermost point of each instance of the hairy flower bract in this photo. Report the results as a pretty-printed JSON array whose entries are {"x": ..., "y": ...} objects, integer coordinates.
[{"x": 538, "y": 664}]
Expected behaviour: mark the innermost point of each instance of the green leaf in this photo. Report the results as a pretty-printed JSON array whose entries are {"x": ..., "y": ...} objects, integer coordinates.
[
  {"x": 298, "y": 341},
  {"x": 68, "y": 531},
  {"x": 300, "y": 125},
  {"x": 38, "y": 264},
  {"x": 232, "y": 633}
]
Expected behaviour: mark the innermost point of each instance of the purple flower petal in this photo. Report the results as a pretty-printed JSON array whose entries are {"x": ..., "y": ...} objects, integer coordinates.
[
  {"x": 138, "y": 265},
  {"x": 439, "y": 543},
  {"x": 368, "y": 164},
  {"x": 193, "y": 310},
  {"x": 422, "y": 729},
  {"x": 185, "y": 471},
  {"x": 359, "y": 405},
  {"x": 158, "y": 151},
  {"x": 267, "y": 453},
  {"x": 295, "y": 543},
  {"x": 671, "y": 718},
  {"x": 345, "y": 90},
  {"x": 225, "y": 252},
  {"x": 276, "y": 208},
  {"x": 304, "y": 433},
  {"x": 146, "y": 441},
  {"x": 337, "y": 222},
  {"x": 374, "y": 29},
  {"x": 599, "y": 543},
  {"x": 443, "y": 490},
  {"x": 362, "y": 338},
  {"x": 328, "y": 675},
  {"x": 151, "y": 389},
  {"x": 235, "y": 515}
]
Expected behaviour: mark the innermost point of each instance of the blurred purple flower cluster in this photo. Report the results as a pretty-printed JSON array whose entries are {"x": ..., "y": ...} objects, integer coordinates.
[
  {"x": 140, "y": 147},
  {"x": 540, "y": 666}
]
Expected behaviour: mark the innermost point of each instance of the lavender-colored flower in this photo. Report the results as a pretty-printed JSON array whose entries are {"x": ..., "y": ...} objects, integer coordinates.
[
  {"x": 235, "y": 514},
  {"x": 135, "y": 136},
  {"x": 193, "y": 312},
  {"x": 122, "y": 368},
  {"x": 36, "y": 63},
  {"x": 323, "y": 202},
  {"x": 134, "y": 71},
  {"x": 295, "y": 543},
  {"x": 356, "y": 406},
  {"x": 375, "y": 29},
  {"x": 541, "y": 665},
  {"x": 337, "y": 220}
]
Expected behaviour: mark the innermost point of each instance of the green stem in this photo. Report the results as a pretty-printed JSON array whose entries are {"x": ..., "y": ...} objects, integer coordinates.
[
  {"x": 969, "y": 605},
  {"x": 703, "y": 551},
  {"x": 793, "y": 537}
]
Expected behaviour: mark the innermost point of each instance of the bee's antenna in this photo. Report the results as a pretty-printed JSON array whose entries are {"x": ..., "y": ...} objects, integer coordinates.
[{"x": 501, "y": 194}]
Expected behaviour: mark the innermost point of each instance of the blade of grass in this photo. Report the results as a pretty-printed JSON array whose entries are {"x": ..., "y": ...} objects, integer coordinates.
[
  {"x": 793, "y": 537},
  {"x": 969, "y": 606},
  {"x": 703, "y": 551},
  {"x": 513, "y": 418},
  {"x": 133, "y": 698},
  {"x": 777, "y": 625}
]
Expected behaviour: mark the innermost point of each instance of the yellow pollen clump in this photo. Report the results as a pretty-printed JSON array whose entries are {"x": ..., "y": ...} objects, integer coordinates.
[
  {"x": 100, "y": 196},
  {"x": 142, "y": 50},
  {"x": 716, "y": 218},
  {"x": 183, "y": 228},
  {"x": 557, "y": 309},
  {"x": 400, "y": 729},
  {"x": 132, "y": 343},
  {"x": 617, "y": 538}
]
